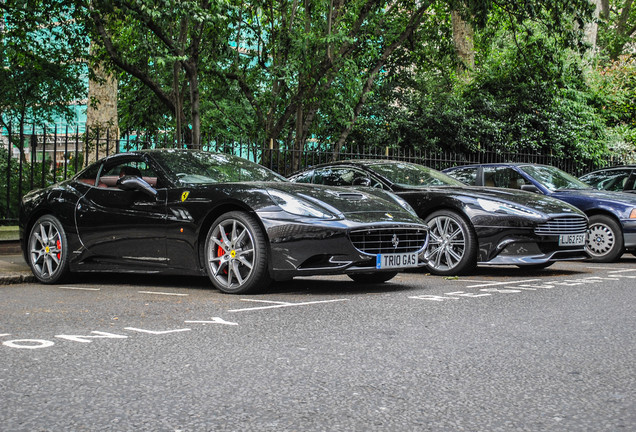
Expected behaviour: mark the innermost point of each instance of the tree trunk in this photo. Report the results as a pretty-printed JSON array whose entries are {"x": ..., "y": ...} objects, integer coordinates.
[
  {"x": 101, "y": 115},
  {"x": 463, "y": 39},
  {"x": 591, "y": 29}
]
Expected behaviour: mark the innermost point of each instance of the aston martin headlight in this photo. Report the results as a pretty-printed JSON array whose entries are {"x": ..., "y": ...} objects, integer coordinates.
[
  {"x": 401, "y": 201},
  {"x": 500, "y": 207},
  {"x": 298, "y": 206}
]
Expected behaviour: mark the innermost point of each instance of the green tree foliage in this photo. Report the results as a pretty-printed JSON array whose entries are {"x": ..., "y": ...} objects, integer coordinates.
[
  {"x": 617, "y": 28},
  {"x": 40, "y": 74},
  {"x": 528, "y": 91},
  {"x": 165, "y": 44}
]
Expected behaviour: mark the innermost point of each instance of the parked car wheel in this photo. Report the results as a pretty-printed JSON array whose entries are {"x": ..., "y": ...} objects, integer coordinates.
[
  {"x": 236, "y": 254},
  {"x": 452, "y": 247},
  {"x": 48, "y": 251},
  {"x": 371, "y": 278},
  {"x": 604, "y": 239}
]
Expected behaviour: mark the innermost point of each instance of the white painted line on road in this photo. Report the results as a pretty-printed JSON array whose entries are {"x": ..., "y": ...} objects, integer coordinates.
[
  {"x": 215, "y": 320},
  {"x": 622, "y": 271},
  {"x": 284, "y": 304},
  {"x": 79, "y": 288},
  {"x": 156, "y": 332},
  {"x": 5, "y": 334},
  {"x": 265, "y": 301},
  {"x": 163, "y": 293},
  {"x": 502, "y": 283}
]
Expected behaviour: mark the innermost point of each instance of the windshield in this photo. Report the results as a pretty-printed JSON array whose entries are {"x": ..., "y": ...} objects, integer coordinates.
[
  {"x": 553, "y": 178},
  {"x": 191, "y": 167},
  {"x": 413, "y": 175}
]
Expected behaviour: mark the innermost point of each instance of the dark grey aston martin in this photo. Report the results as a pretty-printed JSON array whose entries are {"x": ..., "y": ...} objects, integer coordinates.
[
  {"x": 469, "y": 225},
  {"x": 199, "y": 213}
]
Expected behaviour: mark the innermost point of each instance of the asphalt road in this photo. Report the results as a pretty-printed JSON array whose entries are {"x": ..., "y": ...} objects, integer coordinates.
[{"x": 501, "y": 350}]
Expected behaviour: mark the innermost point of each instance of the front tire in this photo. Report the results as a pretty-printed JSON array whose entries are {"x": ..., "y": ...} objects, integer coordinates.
[
  {"x": 372, "y": 278},
  {"x": 48, "y": 250},
  {"x": 236, "y": 254},
  {"x": 452, "y": 248},
  {"x": 604, "y": 239}
]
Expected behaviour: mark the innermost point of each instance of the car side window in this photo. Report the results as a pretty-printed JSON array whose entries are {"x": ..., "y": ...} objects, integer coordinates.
[
  {"x": 503, "y": 177},
  {"x": 112, "y": 173},
  {"x": 465, "y": 175},
  {"x": 335, "y": 176},
  {"x": 613, "y": 180},
  {"x": 630, "y": 184},
  {"x": 305, "y": 177},
  {"x": 89, "y": 175}
]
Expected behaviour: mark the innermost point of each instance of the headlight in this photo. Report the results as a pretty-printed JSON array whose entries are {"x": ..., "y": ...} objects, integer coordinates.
[
  {"x": 297, "y": 206},
  {"x": 403, "y": 203},
  {"x": 500, "y": 207}
]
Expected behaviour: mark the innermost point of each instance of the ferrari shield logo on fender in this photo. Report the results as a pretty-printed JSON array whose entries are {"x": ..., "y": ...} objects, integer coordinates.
[{"x": 184, "y": 195}]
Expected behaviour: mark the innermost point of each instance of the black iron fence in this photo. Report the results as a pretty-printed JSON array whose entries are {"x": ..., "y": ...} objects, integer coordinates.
[{"x": 38, "y": 158}]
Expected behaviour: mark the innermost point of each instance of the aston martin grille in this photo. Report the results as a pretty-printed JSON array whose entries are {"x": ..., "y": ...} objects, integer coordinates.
[
  {"x": 388, "y": 240},
  {"x": 563, "y": 225}
]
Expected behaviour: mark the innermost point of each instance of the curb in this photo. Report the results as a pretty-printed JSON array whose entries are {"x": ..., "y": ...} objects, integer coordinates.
[{"x": 16, "y": 279}]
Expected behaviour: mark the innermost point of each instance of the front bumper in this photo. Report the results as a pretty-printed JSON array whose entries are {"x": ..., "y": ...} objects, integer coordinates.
[
  {"x": 304, "y": 249},
  {"x": 523, "y": 247}
]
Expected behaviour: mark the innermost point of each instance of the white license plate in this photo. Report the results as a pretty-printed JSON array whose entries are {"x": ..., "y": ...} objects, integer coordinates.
[
  {"x": 399, "y": 260},
  {"x": 571, "y": 239}
]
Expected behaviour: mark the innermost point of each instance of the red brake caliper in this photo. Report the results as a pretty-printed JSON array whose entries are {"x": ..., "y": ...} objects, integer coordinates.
[
  {"x": 220, "y": 252},
  {"x": 58, "y": 244}
]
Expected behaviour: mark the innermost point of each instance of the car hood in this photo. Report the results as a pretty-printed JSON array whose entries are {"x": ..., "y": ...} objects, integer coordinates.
[
  {"x": 534, "y": 201},
  {"x": 350, "y": 201}
]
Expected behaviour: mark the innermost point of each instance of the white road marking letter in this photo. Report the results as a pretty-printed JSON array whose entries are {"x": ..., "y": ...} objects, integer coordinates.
[
  {"x": 506, "y": 290},
  {"x": 28, "y": 343},
  {"x": 463, "y": 294},
  {"x": 156, "y": 332},
  {"x": 85, "y": 339}
]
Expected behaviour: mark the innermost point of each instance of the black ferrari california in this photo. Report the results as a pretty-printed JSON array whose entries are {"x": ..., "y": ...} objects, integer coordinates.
[
  {"x": 199, "y": 213},
  {"x": 469, "y": 225}
]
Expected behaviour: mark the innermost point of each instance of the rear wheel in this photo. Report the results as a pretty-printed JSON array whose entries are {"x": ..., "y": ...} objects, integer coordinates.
[
  {"x": 452, "y": 248},
  {"x": 236, "y": 254},
  {"x": 604, "y": 239},
  {"x": 48, "y": 250},
  {"x": 371, "y": 278}
]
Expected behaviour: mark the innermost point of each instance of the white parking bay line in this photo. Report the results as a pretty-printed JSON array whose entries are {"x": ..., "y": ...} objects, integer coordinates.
[
  {"x": 502, "y": 283},
  {"x": 79, "y": 288},
  {"x": 163, "y": 293},
  {"x": 282, "y": 304}
]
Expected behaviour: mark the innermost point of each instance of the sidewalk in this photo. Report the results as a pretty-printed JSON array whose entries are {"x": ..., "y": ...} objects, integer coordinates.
[{"x": 14, "y": 270}]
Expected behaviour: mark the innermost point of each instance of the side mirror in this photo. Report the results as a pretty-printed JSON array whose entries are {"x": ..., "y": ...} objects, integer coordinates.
[
  {"x": 135, "y": 183},
  {"x": 530, "y": 188}
]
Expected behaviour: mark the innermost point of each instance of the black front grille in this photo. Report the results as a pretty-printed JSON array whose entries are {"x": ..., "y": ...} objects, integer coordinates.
[
  {"x": 388, "y": 240},
  {"x": 563, "y": 225}
]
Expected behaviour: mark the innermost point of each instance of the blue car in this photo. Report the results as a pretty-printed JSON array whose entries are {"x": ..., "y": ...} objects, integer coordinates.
[{"x": 612, "y": 215}]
